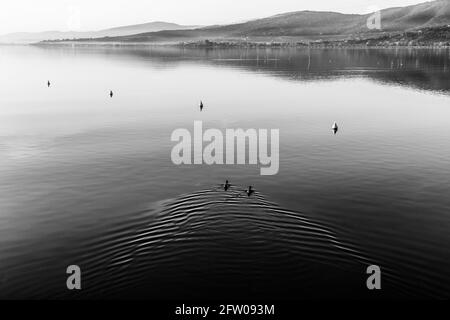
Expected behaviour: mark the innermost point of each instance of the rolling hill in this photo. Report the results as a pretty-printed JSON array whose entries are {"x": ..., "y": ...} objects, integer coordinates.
[{"x": 306, "y": 24}]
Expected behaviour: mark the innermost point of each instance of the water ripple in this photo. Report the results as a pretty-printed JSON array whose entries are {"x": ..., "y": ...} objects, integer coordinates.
[{"x": 213, "y": 243}]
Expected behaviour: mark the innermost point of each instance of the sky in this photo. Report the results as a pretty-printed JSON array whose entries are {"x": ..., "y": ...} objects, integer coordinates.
[{"x": 88, "y": 15}]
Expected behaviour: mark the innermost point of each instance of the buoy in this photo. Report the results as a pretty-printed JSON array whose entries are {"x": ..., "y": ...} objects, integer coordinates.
[{"x": 335, "y": 128}]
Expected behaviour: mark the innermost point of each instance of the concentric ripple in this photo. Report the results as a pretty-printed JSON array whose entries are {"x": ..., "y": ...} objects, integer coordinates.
[{"x": 215, "y": 244}]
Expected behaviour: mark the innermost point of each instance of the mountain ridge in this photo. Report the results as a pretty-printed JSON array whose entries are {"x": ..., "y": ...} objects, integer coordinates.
[
  {"x": 30, "y": 37},
  {"x": 304, "y": 24},
  {"x": 299, "y": 25}
]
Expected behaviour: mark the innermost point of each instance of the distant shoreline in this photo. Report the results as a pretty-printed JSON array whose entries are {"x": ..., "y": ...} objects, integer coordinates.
[
  {"x": 224, "y": 45},
  {"x": 430, "y": 37}
]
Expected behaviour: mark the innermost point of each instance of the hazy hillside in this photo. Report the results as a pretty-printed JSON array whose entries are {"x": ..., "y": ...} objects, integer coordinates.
[
  {"x": 30, "y": 37},
  {"x": 138, "y": 28},
  {"x": 314, "y": 23},
  {"x": 422, "y": 15},
  {"x": 307, "y": 24}
]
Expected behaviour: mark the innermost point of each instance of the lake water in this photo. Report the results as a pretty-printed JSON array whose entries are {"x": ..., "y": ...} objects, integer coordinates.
[{"x": 86, "y": 179}]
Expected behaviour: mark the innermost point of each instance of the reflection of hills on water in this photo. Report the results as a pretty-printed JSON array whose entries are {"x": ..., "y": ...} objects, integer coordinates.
[
  {"x": 421, "y": 69},
  {"x": 424, "y": 69}
]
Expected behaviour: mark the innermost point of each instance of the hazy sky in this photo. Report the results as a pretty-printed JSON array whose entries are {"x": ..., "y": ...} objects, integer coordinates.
[{"x": 40, "y": 15}]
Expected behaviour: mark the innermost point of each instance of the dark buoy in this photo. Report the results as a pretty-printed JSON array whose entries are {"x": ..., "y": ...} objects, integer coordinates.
[
  {"x": 111, "y": 94},
  {"x": 249, "y": 191},
  {"x": 201, "y": 105},
  {"x": 335, "y": 128},
  {"x": 226, "y": 186},
  {"x": 48, "y": 83}
]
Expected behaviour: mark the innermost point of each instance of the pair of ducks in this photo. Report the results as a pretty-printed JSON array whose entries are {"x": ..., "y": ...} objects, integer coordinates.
[{"x": 249, "y": 190}]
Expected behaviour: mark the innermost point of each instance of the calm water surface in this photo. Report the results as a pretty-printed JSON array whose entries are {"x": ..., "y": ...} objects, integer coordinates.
[{"x": 88, "y": 180}]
